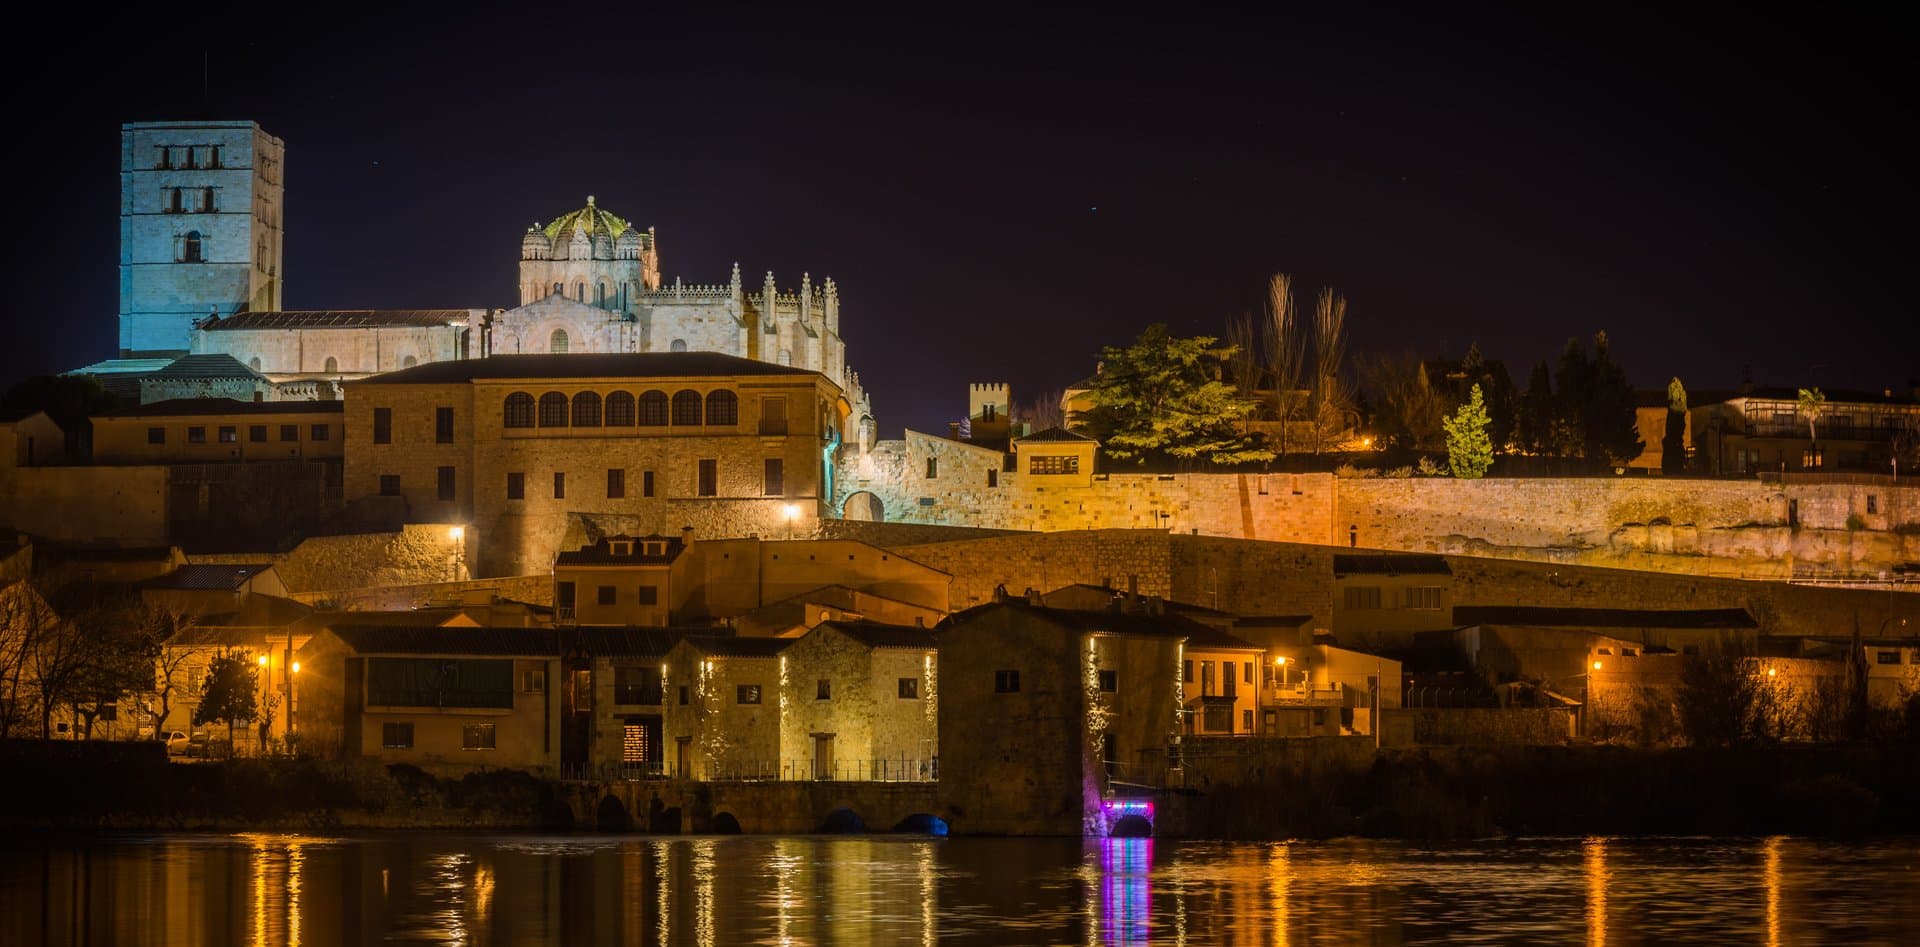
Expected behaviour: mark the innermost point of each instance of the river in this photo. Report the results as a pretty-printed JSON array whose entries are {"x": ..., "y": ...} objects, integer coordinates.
[{"x": 437, "y": 888}]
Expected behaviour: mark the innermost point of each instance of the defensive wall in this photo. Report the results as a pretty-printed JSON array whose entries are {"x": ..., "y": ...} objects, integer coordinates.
[{"x": 415, "y": 554}]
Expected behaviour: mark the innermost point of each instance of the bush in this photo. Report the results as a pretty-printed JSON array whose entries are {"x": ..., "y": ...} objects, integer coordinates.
[{"x": 1855, "y": 522}]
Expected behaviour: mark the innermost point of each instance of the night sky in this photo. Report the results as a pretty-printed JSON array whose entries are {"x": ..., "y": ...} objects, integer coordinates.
[{"x": 1000, "y": 191}]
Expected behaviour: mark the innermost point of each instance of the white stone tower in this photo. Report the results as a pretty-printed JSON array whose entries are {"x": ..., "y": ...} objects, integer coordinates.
[{"x": 200, "y": 208}]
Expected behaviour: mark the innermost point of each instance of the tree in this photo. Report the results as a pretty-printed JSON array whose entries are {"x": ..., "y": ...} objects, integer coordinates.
[
  {"x": 1723, "y": 700},
  {"x": 1813, "y": 403},
  {"x": 69, "y": 400},
  {"x": 1284, "y": 351},
  {"x": 1043, "y": 411},
  {"x": 1163, "y": 395},
  {"x": 1407, "y": 410},
  {"x": 1673, "y": 444},
  {"x": 1469, "y": 450},
  {"x": 1538, "y": 415},
  {"x": 232, "y": 688},
  {"x": 1610, "y": 421},
  {"x": 1332, "y": 400}
]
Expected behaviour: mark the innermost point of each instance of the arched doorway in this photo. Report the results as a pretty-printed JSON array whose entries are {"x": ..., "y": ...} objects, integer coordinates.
[{"x": 864, "y": 507}]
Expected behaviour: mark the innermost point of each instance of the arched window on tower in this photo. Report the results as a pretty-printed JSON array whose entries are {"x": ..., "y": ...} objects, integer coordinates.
[
  {"x": 600, "y": 295},
  {"x": 586, "y": 409},
  {"x": 786, "y": 356},
  {"x": 686, "y": 408},
  {"x": 190, "y": 249},
  {"x": 723, "y": 407},
  {"x": 553, "y": 409},
  {"x": 679, "y": 345},
  {"x": 519, "y": 410},
  {"x": 333, "y": 366},
  {"x": 558, "y": 289},
  {"x": 620, "y": 409},
  {"x": 254, "y": 363},
  {"x": 557, "y": 342},
  {"x": 580, "y": 292},
  {"x": 653, "y": 409}
]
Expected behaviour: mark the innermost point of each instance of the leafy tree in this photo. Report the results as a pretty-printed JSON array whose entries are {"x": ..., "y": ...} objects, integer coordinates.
[
  {"x": 232, "y": 688},
  {"x": 1673, "y": 444},
  {"x": 1723, "y": 700},
  {"x": 1594, "y": 405},
  {"x": 1469, "y": 450},
  {"x": 1813, "y": 403},
  {"x": 1163, "y": 395},
  {"x": 1407, "y": 410}
]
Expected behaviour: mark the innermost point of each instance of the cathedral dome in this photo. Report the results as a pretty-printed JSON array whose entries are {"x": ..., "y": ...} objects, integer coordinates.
[
  {"x": 594, "y": 221},
  {"x": 535, "y": 245},
  {"x": 628, "y": 246}
]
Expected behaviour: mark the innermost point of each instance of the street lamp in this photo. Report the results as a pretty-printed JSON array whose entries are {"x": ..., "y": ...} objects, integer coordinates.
[
  {"x": 292, "y": 668},
  {"x": 1281, "y": 663},
  {"x": 791, "y": 512}
]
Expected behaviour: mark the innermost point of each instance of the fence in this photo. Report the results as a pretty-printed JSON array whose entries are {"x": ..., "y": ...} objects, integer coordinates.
[{"x": 902, "y": 770}]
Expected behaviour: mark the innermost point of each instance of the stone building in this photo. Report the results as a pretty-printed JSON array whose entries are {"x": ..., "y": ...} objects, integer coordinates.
[
  {"x": 216, "y": 430},
  {"x": 522, "y": 449},
  {"x": 859, "y": 701},
  {"x": 1763, "y": 429},
  {"x": 336, "y": 344},
  {"x": 200, "y": 228},
  {"x": 30, "y": 439},
  {"x": 620, "y": 580},
  {"x": 722, "y": 715}
]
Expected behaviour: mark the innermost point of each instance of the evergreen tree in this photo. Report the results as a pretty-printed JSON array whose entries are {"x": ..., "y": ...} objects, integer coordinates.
[
  {"x": 1163, "y": 395},
  {"x": 1538, "y": 410},
  {"x": 1469, "y": 450},
  {"x": 1673, "y": 445},
  {"x": 1609, "y": 422},
  {"x": 232, "y": 685}
]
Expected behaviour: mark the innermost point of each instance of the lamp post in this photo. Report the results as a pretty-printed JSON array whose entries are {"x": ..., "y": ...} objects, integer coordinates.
[
  {"x": 293, "y": 667},
  {"x": 458, "y": 536},
  {"x": 792, "y": 512}
]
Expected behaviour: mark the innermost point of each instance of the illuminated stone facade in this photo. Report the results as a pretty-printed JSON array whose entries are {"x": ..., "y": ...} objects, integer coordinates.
[{"x": 879, "y": 716}]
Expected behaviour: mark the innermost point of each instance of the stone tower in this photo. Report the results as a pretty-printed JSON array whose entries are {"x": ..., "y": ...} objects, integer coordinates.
[
  {"x": 200, "y": 228},
  {"x": 588, "y": 256}
]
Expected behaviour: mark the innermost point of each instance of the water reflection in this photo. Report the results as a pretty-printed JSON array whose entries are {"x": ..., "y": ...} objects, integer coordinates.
[{"x": 500, "y": 890}]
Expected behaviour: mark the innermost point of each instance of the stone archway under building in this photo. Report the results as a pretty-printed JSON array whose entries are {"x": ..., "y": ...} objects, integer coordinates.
[{"x": 863, "y": 506}]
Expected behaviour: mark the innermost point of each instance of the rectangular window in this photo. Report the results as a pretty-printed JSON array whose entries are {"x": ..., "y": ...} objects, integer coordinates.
[
  {"x": 1206, "y": 679},
  {"x": 646, "y": 483},
  {"x": 476, "y": 736},
  {"x": 516, "y": 486},
  {"x": 1218, "y": 718},
  {"x": 1226, "y": 679},
  {"x": 823, "y": 689},
  {"x": 383, "y": 425},
  {"x": 1424, "y": 597},
  {"x": 709, "y": 478},
  {"x": 636, "y": 685},
  {"x": 196, "y": 435},
  {"x": 156, "y": 435},
  {"x": 616, "y": 483},
  {"x": 582, "y": 687},
  {"x": 773, "y": 415},
  {"x": 319, "y": 433},
  {"x": 607, "y": 595},
  {"x": 389, "y": 485},
  {"x": 993, "y": 478},
  {"x": 933, "y": 467},
  {"x": 443, "y": 425},
  {"x": 1109, "y": 681},
  {"x": 776, "y": 479},
  {"x": 909, "y": 688},
  {"x": 683, "y": 695},
  {"x": 1364, "y": 596},
  {"x": 649, "y": 595},
  {"x": 1186, "y": 672},
  {"x": 257, "y": 433},
  {"x": 1873, "y": 504},
  {"x": 1006, "y": 682},
  {"x": 396, "y": 736},
  {"x": 746, "y": 694},
  {"x": 1056, "y": 464},
  {"x": 229, "y": 434},
  {"x": 559, "y": 485},
  {"x": 289, "y": 432},
  {"x": 1887, "y": 657},
  {"x": 446, "y": 483},
  {"x": 1246, "y": 668},
  {"x": 1246, "y": 720},
  {"x": 533, "y": 681}
]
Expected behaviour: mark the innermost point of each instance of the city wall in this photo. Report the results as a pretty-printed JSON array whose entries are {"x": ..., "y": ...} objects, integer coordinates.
[{"x": 415, "y": 555}]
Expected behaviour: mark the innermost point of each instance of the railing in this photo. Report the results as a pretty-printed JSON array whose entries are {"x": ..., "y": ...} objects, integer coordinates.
[
  {"x": 642, "y": 694},
  {"x": 900, "y": 770},
  {"x": 1332, "y": 695},
  {"x": 565, "y": 614}
]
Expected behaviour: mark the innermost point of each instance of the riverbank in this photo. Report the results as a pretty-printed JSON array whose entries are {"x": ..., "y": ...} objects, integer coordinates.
[{"x": 1415, "y": 793}]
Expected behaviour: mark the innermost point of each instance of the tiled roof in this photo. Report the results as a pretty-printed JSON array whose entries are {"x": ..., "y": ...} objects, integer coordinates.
[
  {"x": 1389, "y": 564},
  {"x": 413, "y": 639},
  {"x": 1835, "y": 396},
  {"x": 185, "y": 407},
  {"x": 1602, "y": 617},
  {"x": 207, "y": 366},
  {"x": 262, "y": 611},
  {"x": 218, "y": 577},
  {"x": 601, "y": 553},
  {"x": 732, "y": 647},
  {"x": 1054, "y": 434},
  {"x": 627, "y": 642},
  {"x": 621, "y": 365},
  {"x": 339, "y": 319},
  {"x": 875, "y": 634}
]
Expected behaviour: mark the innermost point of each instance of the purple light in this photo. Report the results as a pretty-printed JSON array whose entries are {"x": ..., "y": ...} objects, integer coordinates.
[{"x": 1131, "y": 807}]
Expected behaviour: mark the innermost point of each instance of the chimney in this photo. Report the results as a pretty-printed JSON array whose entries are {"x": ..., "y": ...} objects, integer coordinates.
[
  {"x": 686, "y": 537},
  {"x": 1033, "y": 596},
  {"x": 953, "y": 430}
]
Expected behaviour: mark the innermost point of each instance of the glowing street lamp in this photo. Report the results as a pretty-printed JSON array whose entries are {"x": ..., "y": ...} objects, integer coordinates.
[
  {"x": 1281, "y": 663},
  {"x": 792, "y": 512}
]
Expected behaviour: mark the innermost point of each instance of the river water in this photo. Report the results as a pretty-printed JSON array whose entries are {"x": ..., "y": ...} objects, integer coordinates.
[{"x": 437, "y": 888}]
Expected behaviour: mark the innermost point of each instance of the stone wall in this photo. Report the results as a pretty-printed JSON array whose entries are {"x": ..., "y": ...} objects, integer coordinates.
[
  {"x": 114, "y": 506},
  {"x": 531, "y": 589},
  {"x": 1124, "y": 559},
  {"x": 765, "y": 808},
  {"x": 1481, "y": 726},
  {"x": 362, "y": 564}
]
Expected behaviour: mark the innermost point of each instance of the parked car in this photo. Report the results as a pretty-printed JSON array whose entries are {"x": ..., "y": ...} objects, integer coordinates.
[
  {"x": 200, "y": 744},
  {"x": 176, "y": 741}
]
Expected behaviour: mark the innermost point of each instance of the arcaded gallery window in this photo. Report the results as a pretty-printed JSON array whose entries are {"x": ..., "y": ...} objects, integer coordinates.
[
  {"x": 553, "y": 409},
  {"x": 519, "y": 410},
  {"x": 586, "y": 409},
  {"x": 653, "y": 409},
  {"x": 723, "y": 408},
  {"x": 620, "y": 409},
  {"x": 686, "y": 408}
]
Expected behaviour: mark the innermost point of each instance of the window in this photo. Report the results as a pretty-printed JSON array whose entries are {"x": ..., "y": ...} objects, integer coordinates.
[
  {"x": 775, "y": 480},
  {"x": 446, "y": 483},
  {"x": 516, "y": 486},
  {"x": 1206, "y": 679},
  {"x": 476, "y": 736},
  {"x": 620, "y": 547},
  {"x": 1364, "y": 596},
  {"x": 389, "y": 485},
  {"x": 649, "y": 595},
  {"x": 723, "y": 408},
  {"x": 257, "y": 433},
  {"x": 620, "y": 409},
  {"x": 206, "y": 200},
  {"x": 616, "y": 484},
  {"x": 1424, "y": 597},
  {"x": 332, "y": 366},
  {"x": 709, "y": 478},
  {"x": 443, "y": 425},
  {"x": 196, "y": 435},
  {"x": 1109, "y": 681},
  {"x": 559, "y": 485},
  {"x": 636, "y": 685},
  {"x": 993, "y": 478},
  {"x": 229, "y": 434},
  {"x": 683, "y": 695},
  {"x": 1006, "y": 682},
  {"x": 156, "y": 435},
  {"x": 773, "y": 415},
  {"x": 383, "y": 425},
  {"x": 909, "y": 688},
  {"x": 396, "y": 736},
  {"x": 519, "y": 410},
  {"x": 190, "y": 248},
  {"x": 1873, "y": 504},
  {"x": 533, "y": 681},
  {"x": 746, "y": 694},
  {"x": 1887, "y": 657},
  {"x": 646, "y": 483},
  {"x": 686, "y": 408},
  {"x": 173, "y": 203},
  {"x": 1226, "y": 679},
  {"x": 1055, "y": 464},
  {"x": 1246, "y": 672},
  {"x": 586, "y": 409},
  {"x": 166, "y": 158},
  {"x": 933, "y": 467},
  {"x": 653, "y": 409},
  {"x": 289, "y": 432},
  {"x": 317, "y": 433},
  {"x": 1629, "y": 653},
  {"x": 553, "y": 409},
  {"x": 823, "y": 689},
  {"x": 557, "y": 342},
  {"x": 607, "y": 595},
  {"x": 1217, "y": 718},
  {"x": 678, "y": 345}
]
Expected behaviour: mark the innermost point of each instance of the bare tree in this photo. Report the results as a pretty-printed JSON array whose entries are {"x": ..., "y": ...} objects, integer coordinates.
[
  {"x": 162, "y": 625},
  {"x": 1044, "y": 411},
  {"x": 1332, "y": 401},
  {"x": 25, "y": 618},
  {"x": 1284, "y": 349}
]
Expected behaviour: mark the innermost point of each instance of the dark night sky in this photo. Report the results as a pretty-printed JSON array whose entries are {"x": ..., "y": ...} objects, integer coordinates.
[{"x": 1000, "y": 192}]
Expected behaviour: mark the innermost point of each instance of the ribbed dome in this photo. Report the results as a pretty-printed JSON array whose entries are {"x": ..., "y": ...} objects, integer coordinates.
[
  {"x": 591, "y": 218},
  {"x": 535, "y": 241},
  {"x": 630, "y": 239}
]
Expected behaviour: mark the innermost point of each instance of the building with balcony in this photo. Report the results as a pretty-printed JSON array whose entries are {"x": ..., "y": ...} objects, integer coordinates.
[{"x": 1763, "y": 429}]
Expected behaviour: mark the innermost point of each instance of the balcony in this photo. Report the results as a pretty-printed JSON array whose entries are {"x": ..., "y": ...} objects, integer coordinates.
[
  {"x": 1305, "y": 694},
  {"x": 640, "y": 694}
]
